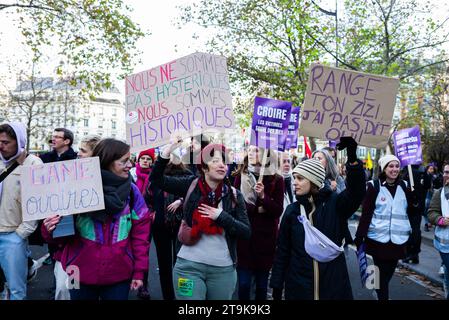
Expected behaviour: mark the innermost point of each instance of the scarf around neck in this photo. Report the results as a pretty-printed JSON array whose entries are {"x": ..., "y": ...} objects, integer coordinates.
[
  {"x": 116, "y": 192},
  {"x": 202, "y": 224},
  {"x": 142, "y": 177}
]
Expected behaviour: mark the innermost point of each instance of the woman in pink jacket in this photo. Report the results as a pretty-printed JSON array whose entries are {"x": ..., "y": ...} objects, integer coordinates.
[{"x": 109, "y": 252}]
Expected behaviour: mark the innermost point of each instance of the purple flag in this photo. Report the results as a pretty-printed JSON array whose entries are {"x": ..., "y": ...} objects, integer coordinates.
[
  {"x": 407, "y": 146},
  {"x": 270, "y": 123},
  {"x": 292, "y": 138}
]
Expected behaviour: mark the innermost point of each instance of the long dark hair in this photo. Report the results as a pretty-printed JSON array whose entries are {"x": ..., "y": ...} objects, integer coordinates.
[{"x": 109, "y": 150}]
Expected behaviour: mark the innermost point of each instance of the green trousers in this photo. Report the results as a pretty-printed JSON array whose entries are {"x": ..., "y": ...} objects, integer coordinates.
[{"x": 199, "y": 281}]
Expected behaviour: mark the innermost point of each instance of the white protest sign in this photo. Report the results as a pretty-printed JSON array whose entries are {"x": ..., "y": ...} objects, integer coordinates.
[
  {"x": 341, "y": 102},
  {"x": 183, "y": 97},
  {"x": 61, "y": 188}
]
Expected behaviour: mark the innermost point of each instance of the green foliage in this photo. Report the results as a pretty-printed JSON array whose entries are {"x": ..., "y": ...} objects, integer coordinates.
[{"x": 93, "y": 37}]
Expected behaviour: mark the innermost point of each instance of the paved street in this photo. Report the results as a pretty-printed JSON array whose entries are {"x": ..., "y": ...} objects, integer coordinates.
[{"x": 404, "y": 286}]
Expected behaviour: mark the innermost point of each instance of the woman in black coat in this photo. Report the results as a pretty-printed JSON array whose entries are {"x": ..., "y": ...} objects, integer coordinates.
[{"x": 303, "y": 276}]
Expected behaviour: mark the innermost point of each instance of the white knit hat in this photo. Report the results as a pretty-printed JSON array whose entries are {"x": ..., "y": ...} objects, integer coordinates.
[
  {"x": 385, "y": 160},
  {"x": 312, "y": 170}
]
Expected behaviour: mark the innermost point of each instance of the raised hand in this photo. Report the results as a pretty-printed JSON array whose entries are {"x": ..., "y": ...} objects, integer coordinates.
[{"x": 351, "y": 146}]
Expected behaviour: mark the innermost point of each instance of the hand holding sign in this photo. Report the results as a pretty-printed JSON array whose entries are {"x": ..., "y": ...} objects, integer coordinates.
[
  {"x": 51, "y": 222},
  {"x": 259, "y": 188},
  {"x": 175, "y": 143}
]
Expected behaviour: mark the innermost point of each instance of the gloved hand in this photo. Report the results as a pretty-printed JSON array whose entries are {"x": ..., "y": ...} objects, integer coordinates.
[
  {"x": 277, "y": 294},
  {"x": 351, "y": 146}
]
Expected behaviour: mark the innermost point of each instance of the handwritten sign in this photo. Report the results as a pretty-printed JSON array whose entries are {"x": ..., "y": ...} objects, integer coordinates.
[
  {"x": 292, "y": 137},
  {"x": 341, "y": 103},
  {"x": 270, "y": 123},
  {"x": 61, "y": 188},
  {"x": 183, "y": 97},
  {"x": 407, "y": 145}
]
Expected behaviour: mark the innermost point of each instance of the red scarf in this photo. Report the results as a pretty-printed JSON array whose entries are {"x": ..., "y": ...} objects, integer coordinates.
[{"x": 201, "y": 224}]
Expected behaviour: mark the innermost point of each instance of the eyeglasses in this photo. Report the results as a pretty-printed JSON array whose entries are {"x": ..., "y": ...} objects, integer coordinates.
[
  {"x": 123, "y": 163},
  {"x": 57, "y": 137},
  {"x": 446, "y": 172}
]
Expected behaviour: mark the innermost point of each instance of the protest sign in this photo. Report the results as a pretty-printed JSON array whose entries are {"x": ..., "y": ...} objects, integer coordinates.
[
  {"x": 407, "y": 145},
  {"x": 183, "y": 97},
  {"x": 61, "y": 188},
  {"x": 292, "y": 137},
  {"x": 270, "y": 123},
  {"x": 341, "y": 103}
]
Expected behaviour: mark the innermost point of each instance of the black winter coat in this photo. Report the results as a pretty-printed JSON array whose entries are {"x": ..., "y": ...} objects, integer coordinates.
[
  {"x": 52, "y": 156},
  {"x": 293, "y": 266},
  {"x": 233, "y": 219}
]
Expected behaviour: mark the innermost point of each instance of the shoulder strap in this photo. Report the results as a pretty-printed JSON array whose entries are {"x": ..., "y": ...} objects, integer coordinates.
[
  {"x": 189, "y": 192},
  {"x": 8, "y": 170},
  {"x": 376, "y": 185}
]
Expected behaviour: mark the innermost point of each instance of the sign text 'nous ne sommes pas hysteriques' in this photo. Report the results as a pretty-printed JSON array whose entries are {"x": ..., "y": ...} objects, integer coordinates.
[{"x": 183, "y": 97}]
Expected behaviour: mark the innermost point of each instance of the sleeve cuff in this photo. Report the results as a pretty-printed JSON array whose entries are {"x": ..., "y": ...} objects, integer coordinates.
[{"x": 138, "y": 275}]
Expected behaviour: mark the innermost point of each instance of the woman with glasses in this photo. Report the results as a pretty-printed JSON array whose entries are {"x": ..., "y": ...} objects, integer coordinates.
[{"x": 110, "y": 248}]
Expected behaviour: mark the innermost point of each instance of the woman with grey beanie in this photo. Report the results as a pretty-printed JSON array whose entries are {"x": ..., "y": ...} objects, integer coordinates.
[{"x": 309, "y": 260}]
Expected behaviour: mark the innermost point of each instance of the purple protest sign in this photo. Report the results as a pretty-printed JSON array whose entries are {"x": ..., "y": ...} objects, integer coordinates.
[
  {"x": 270, "y": 123},
  {"x": 292, "y": 137},
  {"x": 407, "y": 145}
]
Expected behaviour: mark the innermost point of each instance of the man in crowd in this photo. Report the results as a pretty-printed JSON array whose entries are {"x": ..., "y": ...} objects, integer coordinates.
[{"x": 13, "y": 231}]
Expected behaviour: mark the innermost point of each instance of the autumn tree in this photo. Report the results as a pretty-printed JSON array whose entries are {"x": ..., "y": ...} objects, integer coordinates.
[
  {"x": 275, "y": 41},
  {"x": 93, "y": 38}
]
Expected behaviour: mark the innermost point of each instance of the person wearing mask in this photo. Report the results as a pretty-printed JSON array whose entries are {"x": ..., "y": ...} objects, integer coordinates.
[
  {"x": 14, "y": 232},
  {"x": 310, "y": 261},
  {"x": 168, "y": 214},
  {"x": 110, "y": 247},
  {"x": 86, "y": 148},
  {"x": 439, "y": 216},
  {"x": 214, "y": 218},
  {"x": 384, "y": 225},
  {"x": 264, "y": 200}
]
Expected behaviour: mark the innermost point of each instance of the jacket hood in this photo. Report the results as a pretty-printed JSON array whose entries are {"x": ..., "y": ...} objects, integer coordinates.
[{"x": 20, "y": 131}]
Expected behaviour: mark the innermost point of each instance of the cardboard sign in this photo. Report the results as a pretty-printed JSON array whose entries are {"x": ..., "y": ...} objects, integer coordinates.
[
  {"x": 183, "y": 97},
  {"x": 270, "y": 123},
  {"x": 407, "y": 146},
  {"x": 292, "y": 137},
  {"x": 340, "y": 102},
  {"x": 61, "y": 188}
]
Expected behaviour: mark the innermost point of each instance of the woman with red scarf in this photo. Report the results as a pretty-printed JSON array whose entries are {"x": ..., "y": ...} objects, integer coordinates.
[
  {"x": 143, "y": 168},
  {"x": 206, "y": 265}
]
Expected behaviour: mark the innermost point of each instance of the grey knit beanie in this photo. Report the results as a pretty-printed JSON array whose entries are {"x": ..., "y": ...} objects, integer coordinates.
[{"x": 312, "y": 170}]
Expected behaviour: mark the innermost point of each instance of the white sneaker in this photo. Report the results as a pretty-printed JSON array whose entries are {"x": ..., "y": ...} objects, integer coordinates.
[
  {"x": 441, "y": 271},
  {"x": 32, "y": 271}
]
